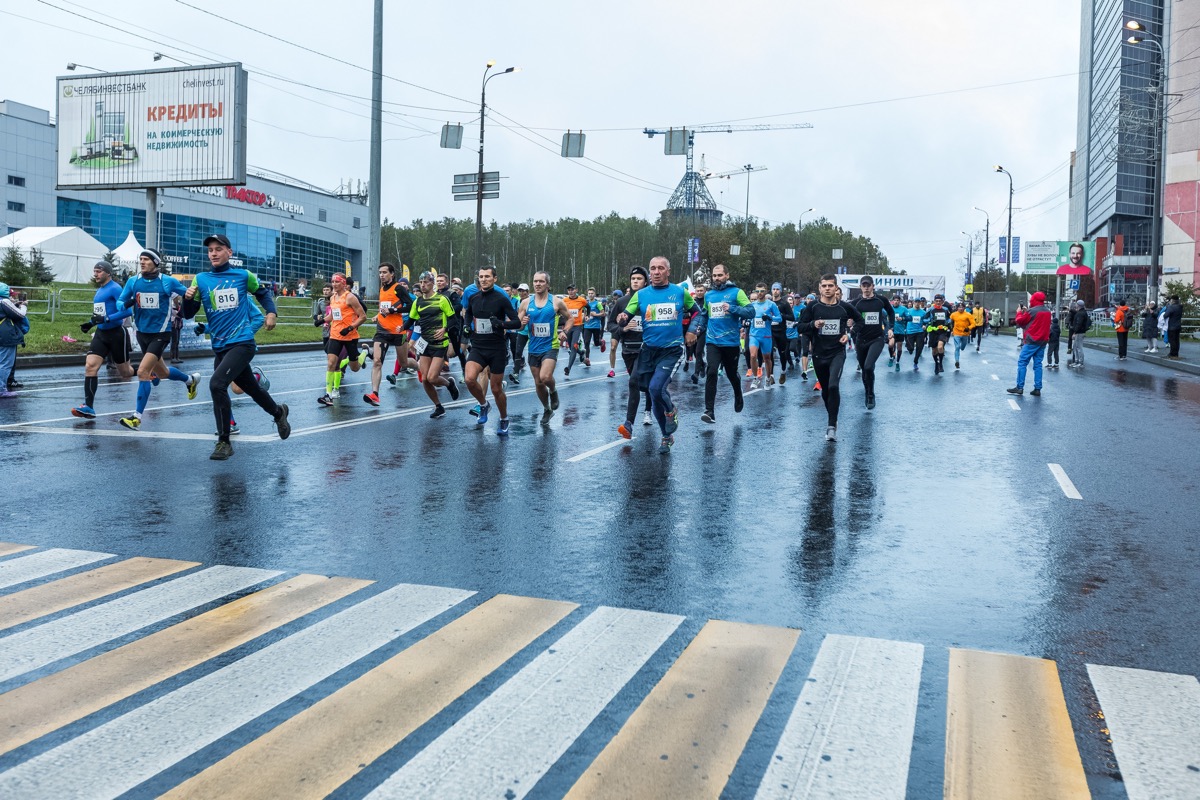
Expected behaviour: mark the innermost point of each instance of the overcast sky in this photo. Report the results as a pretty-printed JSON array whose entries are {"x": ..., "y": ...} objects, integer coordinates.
[{"x": 911, "y": 104}]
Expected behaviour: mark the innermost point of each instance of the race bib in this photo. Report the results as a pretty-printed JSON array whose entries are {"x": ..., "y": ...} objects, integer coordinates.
[
  {"x": 718, "y": 311},
  {"x": 831, "y": 327},
  {"x": 98, "y": 308},
  {"x": 637, "y": 323},
  {"x": 574, "y": 313},
  {"x": 791, "y": 325},
  {"x": 940, "y": 317},
  {"x": 145, "y": 300},
  {"x": 871, "y": 317},
  {"x": 483, "y": 325},
  {"x": 420, "y": 346},
  {"x": 225, "y": 299},
  {"x": 337, "y": 314},
  {"x": 663, "y": 312},
  {"x": 541, "y": 330},
  {"x": 385, "y": 308},
  {"x": 760, "y": 323}
]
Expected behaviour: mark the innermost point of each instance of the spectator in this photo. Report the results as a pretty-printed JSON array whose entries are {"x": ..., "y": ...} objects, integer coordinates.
[
  {"x": 1081, "y": 322},
  {"x": 1053, "y": 342},
  {"x": 21, "y": 302},
  {"x": 1150, "y": 327},
  {"x": 13, "y": 325},
  {"x": 1066, "y": 313},
  {"x": 1035, "y": 322},
  {"x": 1123, "y": 319},
  {"x": 1174, "y": 319}
]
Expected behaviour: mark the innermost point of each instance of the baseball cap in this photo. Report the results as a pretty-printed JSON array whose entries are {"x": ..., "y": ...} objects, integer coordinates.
[
  {"x": 524, "y": 287},
  {"x": 219, "y": 238},
  {"x": 866, "y": 280},
  {"x": 570, "y": 286}
]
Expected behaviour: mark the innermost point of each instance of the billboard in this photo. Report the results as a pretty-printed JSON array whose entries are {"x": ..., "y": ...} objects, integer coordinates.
[
  {"x": 184, "y": 126},
  {"x": 1047, "y": 257},
  {"x": 910, "y": 285}
]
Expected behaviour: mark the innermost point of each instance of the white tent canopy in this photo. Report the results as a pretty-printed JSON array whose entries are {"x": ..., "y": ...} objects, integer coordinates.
[
  {"x": 127, "y": 253},
  {"x": 70, "y": 253}
]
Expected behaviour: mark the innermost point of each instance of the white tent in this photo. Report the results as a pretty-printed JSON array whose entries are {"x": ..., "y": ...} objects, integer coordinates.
[
  {"x": 69, "y": 253},
  {"x": 126, "y": 256}
]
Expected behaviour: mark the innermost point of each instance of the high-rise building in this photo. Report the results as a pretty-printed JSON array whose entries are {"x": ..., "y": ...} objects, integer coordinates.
[{"x": 1181, "y": 201}]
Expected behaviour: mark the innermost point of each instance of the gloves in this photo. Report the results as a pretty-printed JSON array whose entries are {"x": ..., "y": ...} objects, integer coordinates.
[
  {"x": 199, "y": 328},
  {"x": 85, "y": 327},
  {"x": 346, "y": 331},
  {"x": 497, "y": 323},
  {"x": 318, "y": 321},
  {"x": 98, "y": 318}
]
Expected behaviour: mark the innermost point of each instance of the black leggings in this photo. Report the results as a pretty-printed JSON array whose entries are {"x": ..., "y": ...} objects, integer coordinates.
[
  {"x": 232, "y": 365},
  {"x": 454, "y": 334},
  {"x": 868, "y": 354},
  {"x": 779, "y": 343},
  {"x": 917, "y": 340},
  {"x": 516, "y": 345},
  {"x": 726, "y": 357},
  {"x": 635, "y": 392},
  {"x": 829, "y": 373},
  {"x": 696, "y": 351}
]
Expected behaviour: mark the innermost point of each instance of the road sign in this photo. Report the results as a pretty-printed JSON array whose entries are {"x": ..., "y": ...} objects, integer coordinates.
[
  {"x": 969, "y": 289},
  {"x": 572, "y": 144},
  {"x": 837, "y": 252},
  {"x": 735, "y": 249},
  {"x": 486, "y": 196},
  {"x": 473, "y": 177},
  {"x": 452, "y": 136},
  {"x": 789, "y": 252},
  {"x": 470, "y": 188},
  {"x": 1073, "y": 284}
]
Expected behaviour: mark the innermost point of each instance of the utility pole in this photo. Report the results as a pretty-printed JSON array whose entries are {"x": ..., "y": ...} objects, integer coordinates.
[
  {"x": 1008, "y": 251},
  {"x": 370, "y": 275}
]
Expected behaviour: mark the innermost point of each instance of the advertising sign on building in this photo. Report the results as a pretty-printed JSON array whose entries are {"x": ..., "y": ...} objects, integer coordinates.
[
  {"x": 1045, "y": 257},
  {"x": 170, "y": 127}
]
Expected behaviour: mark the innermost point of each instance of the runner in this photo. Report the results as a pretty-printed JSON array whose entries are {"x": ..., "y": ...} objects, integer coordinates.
[
  {"x": 432, "y": 312},
  {"x": 964, "y": 324},
  {"x": 631, "y": 347},
  {"x": 345, "y": 314},
  {"x": 937, "y": 321},
  {"x": 593, "y": 326},
  {"x": 518, "y": 339},
  {"x": 878, "y": 321},
  {"x": 725, "y": 306},
  {"x": 915, "y": 334},
  {"x": 980, "y": 326},
  {"x": 488, "y": 314},
  {"x": 453, "y": 295},
  {"x": 614, "y": 331},
  {"x": 547, "y": 321},
  {"x": 827, "y": 321},
  {"x": 792, "y": 335},
  {"x": 779, "y": 333},
  {"x": 394, "y": 305},
  {"x": 899, "y": 322},
  {"x": 148, "y": 298},
  {"x": 696, "y": 349},
  {"x": 109, "y": 340},
  {"x": 761, "y": 335},
  {"x": 575, "y": 305},
  {"x": 806, "y": 340},
  {"x": 224, "y": 293},
  {"x": 661, "y": 306}
]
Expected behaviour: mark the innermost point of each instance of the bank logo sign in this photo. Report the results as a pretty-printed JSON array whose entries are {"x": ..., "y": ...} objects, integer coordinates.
[{"x": 172, "y": 127}]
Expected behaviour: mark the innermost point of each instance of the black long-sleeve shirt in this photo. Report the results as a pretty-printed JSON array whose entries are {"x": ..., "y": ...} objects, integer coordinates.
[
  {"x": 878, "y": 318},
  {"x": 827, "y": 324},
  {"x": 481, "y": 310}
]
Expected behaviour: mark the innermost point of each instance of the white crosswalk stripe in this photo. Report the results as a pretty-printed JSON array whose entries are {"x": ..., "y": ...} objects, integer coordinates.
[{"x": 44, "y": 562}]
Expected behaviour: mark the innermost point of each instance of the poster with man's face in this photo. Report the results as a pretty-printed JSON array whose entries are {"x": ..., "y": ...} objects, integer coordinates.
[{"x": 1046, "y": 257}]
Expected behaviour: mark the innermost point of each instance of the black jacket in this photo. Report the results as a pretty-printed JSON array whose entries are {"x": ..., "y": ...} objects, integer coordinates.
[
  {"x": 1080, "y": 321},
  {"x": 1174, "y": 316}
]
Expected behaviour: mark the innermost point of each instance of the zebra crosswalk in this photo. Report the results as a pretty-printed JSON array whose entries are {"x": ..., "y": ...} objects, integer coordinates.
[{"x": 164, "y": 677}]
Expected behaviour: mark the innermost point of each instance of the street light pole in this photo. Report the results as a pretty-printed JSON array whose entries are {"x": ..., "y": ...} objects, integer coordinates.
[
  {"x": 370, "y": 270},
  {"x": 1139, "y": 36},
  {"x": 746, "y": 226},
  {"x": 1008, "y": 250},
  {"x": 479, "y": 177},
  {"x": 987, "y": 237},
  {"x": 799, "y": 232}
]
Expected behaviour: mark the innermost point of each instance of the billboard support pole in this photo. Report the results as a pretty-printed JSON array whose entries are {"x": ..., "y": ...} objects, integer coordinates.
[
  {"x": 151, "y": 219},
  {"x": 370, "y": 272}
]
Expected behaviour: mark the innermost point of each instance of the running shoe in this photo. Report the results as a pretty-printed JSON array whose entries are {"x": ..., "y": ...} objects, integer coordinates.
[
  {"x": 625, "y": 429},
  {"x": 749, "y": 373},
  {"x": 391, "y": 379},
  {"x": 587, "y": 362},
  {"x": 554, "y": 400},
  {"x": 916, "y": 368},
  {"x": 665, "y": 447},
  {"x": 956, "y": 365},
  {"x": 474, "y": 412},
  {"x": 222, "y": 451},
  {"x": 782, "y": 378},
  {"x": 695, "y": 378},
  {"x": 282, "y": 425},
  {"x": 687, "y": 364},
  {"x": 513, "y": 379},
  {"x": 897, "y": 366},
  {"x": 612, "y": 373},
  {"x": 87, "y": 412},
  {"x": 483, "y": 412},
  {"x": 708, "y": 417},
  {"x": 870, "y": 401},
  {"x": 891, "y": 361},
  {"x": 503, "y": 430},
  {"x": 755, "y": 383},
  {"x": 602, "y": 348},
  {"x": 409, "y": 371},
  {"x": 672, "y": 421},
  {"x": 831, "y": 434},
  {"x": 546, "y": 415},
  {"x": 452, "y": 387},
  {"x": 758, "y": 374},
  {"x": 438, "y": 412},
  {"x": 7, "y": 394},
  {"x": 263, "y": 381},
  {"x": 325, "y": 400},
  {"x": 738, "y": 404},
  {"x": 804, "y": 375},
  {"x": 567, "y": 372},
  {"x": 371, "y": 399},
  {"x": 770, "y": 380},
  {"x": 647, "y": 418},
  {"x": 132, "y": 422},
  {"x": 817, "y": 386},
  {"x": 234, "y": 430}
]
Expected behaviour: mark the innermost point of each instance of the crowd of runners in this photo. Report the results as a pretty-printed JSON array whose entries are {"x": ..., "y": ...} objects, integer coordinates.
[{"x": 656, "y": 327}]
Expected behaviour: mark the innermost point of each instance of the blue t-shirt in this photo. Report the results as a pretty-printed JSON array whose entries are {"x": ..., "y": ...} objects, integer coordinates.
[
  {"x": 232, "y": 317},
  {"x": 107, "y": 302},
  {"x": 901, "y": 320},
  {"x": 724, "y": 327},
  {"x": 543, "y": 326},
  {"x": 916, "y": 320},
  {"x": 661, "y": 310},
  {"x": 150, "y": 301},
  {"x": 594, "y": 307},
  {"x": 765, "y": 312}
]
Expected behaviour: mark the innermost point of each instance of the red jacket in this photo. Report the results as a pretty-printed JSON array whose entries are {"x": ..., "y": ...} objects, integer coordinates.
[{"x": 1036, "y": 322}]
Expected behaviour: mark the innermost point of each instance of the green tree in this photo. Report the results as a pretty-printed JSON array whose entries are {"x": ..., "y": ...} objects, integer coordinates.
[
  {"x": 14, "y": 270},
  {"x": 39, "y": 271},
  {"x": 1187, "y": 297}
]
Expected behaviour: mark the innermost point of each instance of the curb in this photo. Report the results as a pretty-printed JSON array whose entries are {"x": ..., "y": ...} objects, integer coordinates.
[
  {"x": 1162, "y": 361},
  {"x": 78, "y": 359}
]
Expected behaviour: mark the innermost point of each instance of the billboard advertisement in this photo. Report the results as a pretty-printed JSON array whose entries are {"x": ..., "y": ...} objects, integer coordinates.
[
  {"x": 1049, "y": 257},
  {"x": 910, "y": 285},
  {"x": 171, "y": 127}
]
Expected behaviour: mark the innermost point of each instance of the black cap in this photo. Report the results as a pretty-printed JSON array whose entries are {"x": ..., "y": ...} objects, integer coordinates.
[
  {"x": 866, "y": 280},
  {"x": 103, "y": 266},
  {"x": 639, "y": 271},
  {"x": 219, "y": 238},
  {"x": 570, "y": 286}
]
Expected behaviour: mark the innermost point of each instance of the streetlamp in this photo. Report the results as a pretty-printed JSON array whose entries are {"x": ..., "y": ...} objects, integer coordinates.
[
  {"x": 479, "y": 184},
  {"x": 161, "y": 56},
  {"x": 799, "y": 231},
  {"x": 1139, "y": 35},
  {"x": 1008, "y": 250},
  {"x": 73, "y": 66},
  {"x": 987, "y": 236}
]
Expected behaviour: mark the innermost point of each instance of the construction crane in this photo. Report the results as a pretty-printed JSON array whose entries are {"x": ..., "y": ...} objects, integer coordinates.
[{"x": 691, "y": 197}]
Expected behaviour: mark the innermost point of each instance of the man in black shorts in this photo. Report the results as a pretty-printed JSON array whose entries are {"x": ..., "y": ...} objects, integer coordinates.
[
  {"x": 109, "y": 340},
  {"x": 394, "y": 305},
  {"x": 488, "y": 315}
]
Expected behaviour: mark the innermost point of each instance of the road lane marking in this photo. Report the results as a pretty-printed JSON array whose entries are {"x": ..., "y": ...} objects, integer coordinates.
[
  {"x": 985, "y": 361},
  {"x": 600, "y": 449},
  {"x": 44, "y": 644},
  {"x": 112, "y": 758},
  {"x": 1154, "y": 719},
  {"x": 315, "y": 752},
  {"x": 995, "y": 377},
  {"x": 8, "y": 548},
  {"x": 45, "y": 562},
  {"x": 74, "y": 383},
  {"x": 56, "y": 700},
  {"x": 1014, "y": 404},
  {"x": 1064, "y": 482},
  {"x": 49, "y": 598},
  {"x": 503, "y": 746},
  {"x": 1007, "y": 730},
  {"x": 685, "y": 737},
  {"x": 850, "y": 733}
]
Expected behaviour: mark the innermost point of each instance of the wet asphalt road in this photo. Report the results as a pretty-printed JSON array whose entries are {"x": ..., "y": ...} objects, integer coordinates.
[{"x": 934, "y": 519}]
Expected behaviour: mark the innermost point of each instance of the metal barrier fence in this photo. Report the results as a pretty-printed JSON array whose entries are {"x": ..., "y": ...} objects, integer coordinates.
[{"x": 39, "y": 300}]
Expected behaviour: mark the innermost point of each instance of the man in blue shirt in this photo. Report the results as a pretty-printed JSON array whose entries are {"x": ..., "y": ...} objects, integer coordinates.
[
  {"x": 109, "y": 340},
  {"x": 725, "y": 306},
  {"x": 232, "y": 321},
  {"x": 766, "y": 314}
]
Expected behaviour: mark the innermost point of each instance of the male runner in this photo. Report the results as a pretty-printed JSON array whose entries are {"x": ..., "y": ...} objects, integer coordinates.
[
  {"x": 488, "y": 314},
  {"x": 547, "y": 321},
  {"x": 232, "y": 321},
  {"x": 345, "y": 314},
  {"x": 454, "y": 295},
  {"x": 980, "y": 327},
  {"x": 827, "y": 321},
  {"x": 915, "y": 334},
  {"x": 878, "y": 320},
  {"x": 779, "y": 330},
  {"x": 518, "y": 339},
  {"x": 725, "y": 306},
  {"x": 432, "y": 312},
  {"x": 394, "y": 304},
  {"x": 899, "y": 321},
  {"x": 761, "y": 336},
  {"x": 148, "y": 297},
  {"x": 695, "y": 350},
  {"x": 660, "y": 306},
  {"x": 806, "y": 341},
  {"x": 593, "y": 326},
  {"x": 937, "y": 321},
  {"x": 631, "y": 348},
  {"x": 963, "y": 322},
  {"x": 614, "y": 331},
  {"x": 575, "y": 306},
  {"x": 109, "y": 340}
]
